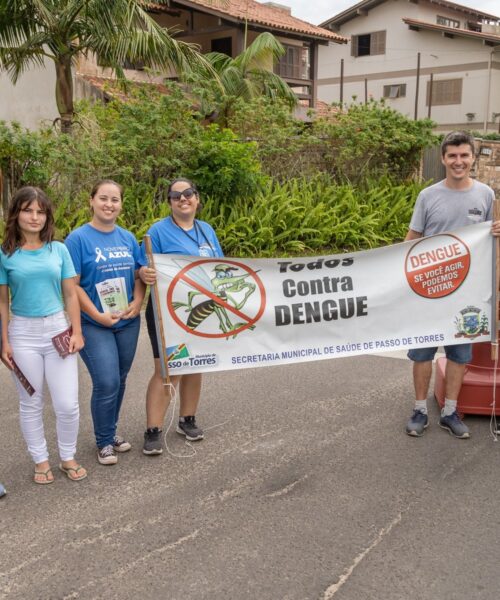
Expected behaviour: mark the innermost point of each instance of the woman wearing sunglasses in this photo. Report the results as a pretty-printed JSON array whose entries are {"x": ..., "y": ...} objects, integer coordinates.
[{"x": 180, "y": 233}]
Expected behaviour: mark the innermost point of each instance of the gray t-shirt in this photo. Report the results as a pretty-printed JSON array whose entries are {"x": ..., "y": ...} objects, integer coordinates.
[{"x": 439, "y": 208}]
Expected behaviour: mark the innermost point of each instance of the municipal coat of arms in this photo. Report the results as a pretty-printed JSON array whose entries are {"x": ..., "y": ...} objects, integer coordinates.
[{"x": 471, "y": 322}]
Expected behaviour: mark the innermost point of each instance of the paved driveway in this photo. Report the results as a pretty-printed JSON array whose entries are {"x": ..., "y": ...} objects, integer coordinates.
[{"x": 306, "y": 487}]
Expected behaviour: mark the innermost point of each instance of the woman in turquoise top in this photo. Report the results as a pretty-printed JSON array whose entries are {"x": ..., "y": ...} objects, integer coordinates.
[{"x": 39, "y": 274}]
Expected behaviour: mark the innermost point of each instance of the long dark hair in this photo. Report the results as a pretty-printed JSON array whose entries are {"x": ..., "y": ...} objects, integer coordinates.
[{"x": 24, "y": 197}]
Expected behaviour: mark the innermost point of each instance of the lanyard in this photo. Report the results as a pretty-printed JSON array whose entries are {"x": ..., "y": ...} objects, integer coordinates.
[{"x": 197, "y": 229}]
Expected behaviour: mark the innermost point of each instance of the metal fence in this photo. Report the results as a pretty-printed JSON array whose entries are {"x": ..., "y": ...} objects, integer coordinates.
[{"x": 432, "y": 167}]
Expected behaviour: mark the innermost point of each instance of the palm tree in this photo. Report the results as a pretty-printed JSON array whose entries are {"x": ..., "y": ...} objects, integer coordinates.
[
  {"x": 248, "y": 75},
  {"x": 115, "y": 31}
]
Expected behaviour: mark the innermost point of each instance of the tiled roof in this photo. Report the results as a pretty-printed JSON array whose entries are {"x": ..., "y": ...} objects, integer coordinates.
[
  {"x": 110, "y": 88},
  {"x": 321, "y": 110},
  {"x": 356, "y": 9},
  {"x": 326, "y": 111},
  {"x": 486, "y": 37},
  {"x": 258, "y": 14}
]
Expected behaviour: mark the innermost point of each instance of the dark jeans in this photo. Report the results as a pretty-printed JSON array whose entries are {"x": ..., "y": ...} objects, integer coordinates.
[{"x": 108, "y": 355}]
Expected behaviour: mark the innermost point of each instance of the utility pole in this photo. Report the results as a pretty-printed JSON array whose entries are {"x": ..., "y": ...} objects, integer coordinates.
[
  {"x": 416, "y": 89},
  {"x": 430, "y": 96},
  {"x": 341, "y": 81}
]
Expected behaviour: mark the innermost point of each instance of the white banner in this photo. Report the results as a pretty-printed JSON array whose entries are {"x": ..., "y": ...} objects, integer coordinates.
[{"x": 225, "y": 313}]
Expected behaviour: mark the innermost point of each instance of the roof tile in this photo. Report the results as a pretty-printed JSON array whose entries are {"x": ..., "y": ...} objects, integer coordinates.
[{"x": 259, "y": 14}]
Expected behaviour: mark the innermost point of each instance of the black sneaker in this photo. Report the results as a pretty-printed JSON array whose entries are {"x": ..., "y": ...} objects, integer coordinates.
[
  {"x": 106, "y": 455},
  {"x": 152, "y": 441},
  {"x": 417, "y": 423},
  {"x": 121, "y": 445},
  {"x": 189, "y": 428},
  {"x": 454, "y": 424}
]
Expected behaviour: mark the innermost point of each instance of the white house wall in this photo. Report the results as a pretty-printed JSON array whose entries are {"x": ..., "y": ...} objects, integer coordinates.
[
  {"x": 445, "y": 58},
  {"x": 32, "y": 100}
]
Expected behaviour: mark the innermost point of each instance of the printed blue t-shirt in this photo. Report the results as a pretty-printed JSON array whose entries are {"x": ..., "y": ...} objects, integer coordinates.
[
  {"x": 101, "y": 258},
  {"x": 168, "y": 238},
  {"x": 34, "y": 278}
]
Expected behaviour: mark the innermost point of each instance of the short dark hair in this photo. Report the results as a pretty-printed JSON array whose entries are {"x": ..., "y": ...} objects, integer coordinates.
[
  {"x": 457, "y": 138},
  {"x": 183, "y": 180},
  {"x": 96, "y": 187},
  {"x": 24, "y": 197}
]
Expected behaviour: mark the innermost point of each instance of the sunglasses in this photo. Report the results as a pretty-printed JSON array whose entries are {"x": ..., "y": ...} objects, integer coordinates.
[{"x": 187, "y": 193}]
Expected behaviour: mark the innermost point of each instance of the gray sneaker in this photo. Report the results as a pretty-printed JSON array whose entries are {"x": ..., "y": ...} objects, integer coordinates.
[
  {"x": 152, "y": 441},
  {"x": 106, "y": 455},
  {"x": 3, "y": 491},
  {"x": 189, "y": 428},
  {"x": 454, "y": 424},
  {"x": 417, "y": 424}
]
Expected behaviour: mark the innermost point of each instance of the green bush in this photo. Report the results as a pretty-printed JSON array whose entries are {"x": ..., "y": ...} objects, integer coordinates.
[
  {"x": 283, "y": 144},
  {"x": 318, "y": 215},
  {"x": 297, "y": 189},
  {"x": 223, "y": 165},
  {"x": 372, "y": 139},
  {"x": 142, "y": 143},
  {"x": 358, "y": 142}
]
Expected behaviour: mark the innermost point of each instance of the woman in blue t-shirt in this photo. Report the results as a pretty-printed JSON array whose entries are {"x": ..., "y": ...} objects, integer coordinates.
[
  {"x": 180, "y": 233},
  {"x": 110, "y": 293},
  {"x": 39, "y": 274}
]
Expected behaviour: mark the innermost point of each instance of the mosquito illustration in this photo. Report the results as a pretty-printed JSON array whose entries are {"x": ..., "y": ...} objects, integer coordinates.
[{"x": 225, "y": 284}]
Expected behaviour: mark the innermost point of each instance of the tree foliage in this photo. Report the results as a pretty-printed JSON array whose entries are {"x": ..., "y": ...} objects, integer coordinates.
[
  {"x": 248, "y": 76},
  {"x": 373, "y": 139},
  {"x": 284, "y": 191},
  {"x": 33, "y": 31}
]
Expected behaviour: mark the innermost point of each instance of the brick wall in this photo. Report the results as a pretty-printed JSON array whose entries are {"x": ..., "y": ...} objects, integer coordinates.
[{"x": 487, "y": 165}]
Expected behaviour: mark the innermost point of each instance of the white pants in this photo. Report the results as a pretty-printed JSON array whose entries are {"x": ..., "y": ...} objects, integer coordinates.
[{"x": 34, "y": 353}]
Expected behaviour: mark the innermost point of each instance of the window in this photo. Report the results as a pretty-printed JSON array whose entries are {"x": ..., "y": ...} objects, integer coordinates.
[
  {"x": 222, "y": 45},
  {"x": 447, "y": 22},
  {"x": 473, "y": 26},
  {"x": 295, "y": 63},
  {"x": 445, "y": 91},
  {"x": 368, "y": 44},
  {"x": 397, "y": 90},
  {"x": 138, "y": 66}
]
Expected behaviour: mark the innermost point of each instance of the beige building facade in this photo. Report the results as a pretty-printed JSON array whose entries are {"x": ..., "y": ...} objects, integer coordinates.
[
  {"x": 215, "y": 27},
  {"x": 424, "y": 57},
  {"x": 229, "y": 28},
  {"x": 31, "y": 101}
]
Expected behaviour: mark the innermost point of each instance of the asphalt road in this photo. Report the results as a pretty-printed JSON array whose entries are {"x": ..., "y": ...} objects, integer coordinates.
[{"x": 305, "y": 487}]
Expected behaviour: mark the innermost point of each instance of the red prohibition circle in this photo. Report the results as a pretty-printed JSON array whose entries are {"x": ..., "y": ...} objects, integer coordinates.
[
  {"x": 196, "y": 263},
  {"x": 440, "y": 271}
]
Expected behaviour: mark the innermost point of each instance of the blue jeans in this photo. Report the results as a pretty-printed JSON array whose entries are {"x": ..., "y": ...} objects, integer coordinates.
[{"x": 108, "y": 355}]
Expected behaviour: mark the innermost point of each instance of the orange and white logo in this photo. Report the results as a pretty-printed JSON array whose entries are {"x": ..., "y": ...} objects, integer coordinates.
[{"x": 437, "y": 266}]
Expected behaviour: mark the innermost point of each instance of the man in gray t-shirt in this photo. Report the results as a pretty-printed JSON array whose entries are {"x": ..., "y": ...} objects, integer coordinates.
[{"x": 454, "y": 202}]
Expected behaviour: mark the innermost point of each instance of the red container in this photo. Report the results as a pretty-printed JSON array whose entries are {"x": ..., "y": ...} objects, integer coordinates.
[{"x": 476, "y": 395}]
